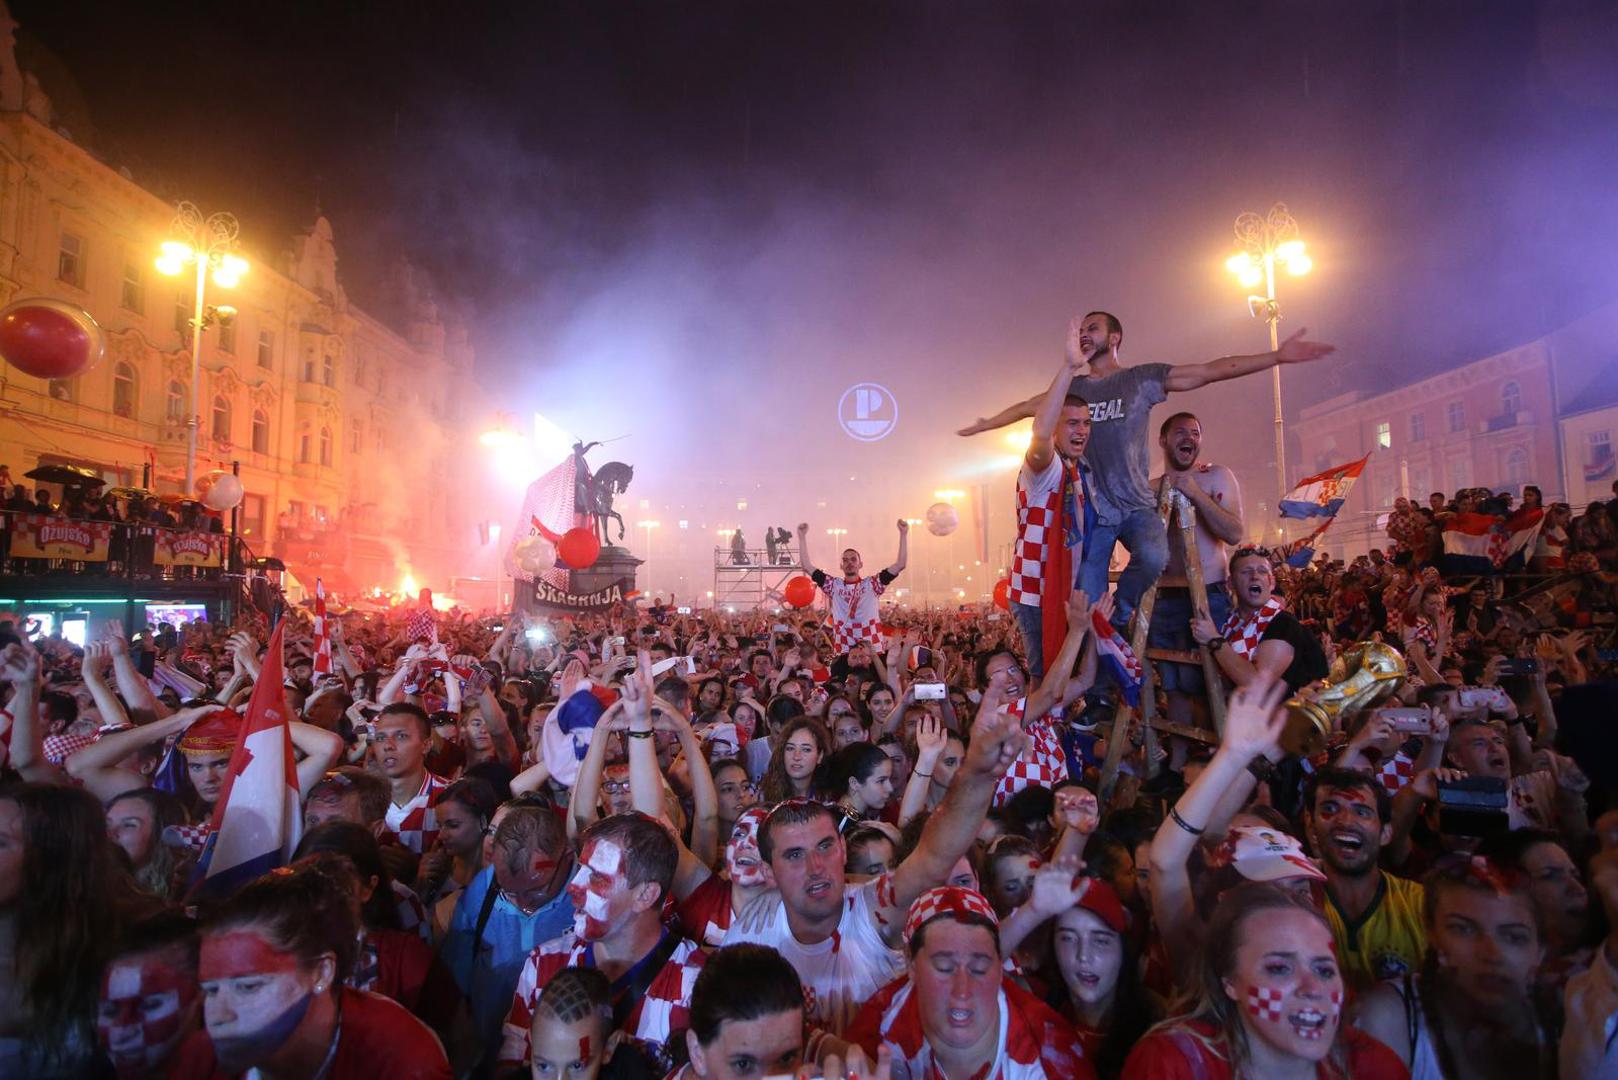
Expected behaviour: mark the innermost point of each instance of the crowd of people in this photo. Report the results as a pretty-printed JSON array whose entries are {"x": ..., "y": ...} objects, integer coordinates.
[{"x": 864, "y": 840}]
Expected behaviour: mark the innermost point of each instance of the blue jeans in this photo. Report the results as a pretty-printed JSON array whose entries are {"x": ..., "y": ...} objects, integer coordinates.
[
  {"x": 1145, "y": 538},
  {"x": 1030, "y": 624}
]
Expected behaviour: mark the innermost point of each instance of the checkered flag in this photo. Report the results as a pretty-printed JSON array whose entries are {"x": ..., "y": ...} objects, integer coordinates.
[{"x": 322, "y": 631}]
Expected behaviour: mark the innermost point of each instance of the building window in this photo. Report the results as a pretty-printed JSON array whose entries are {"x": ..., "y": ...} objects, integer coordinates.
[
  {"x": 303, "y": 445},
  {"x": 251, "y": 522},
  {"x": 328, "y": 370},
  {"x": 60, "y": 389},
  {"x": 227, "y": 335},
  {"x": 320, "y": 515},
  {"x": 123, "y": 390},
  {"x": 1511, "y": 398},
  {"x": 221, "y": 419},
  {"x": 295, "y": 508},
  {"x": 134, "y": 295},
  {"x": 309, "y": 366},
  {"x": 174, "y": 403},
  {"x": 70, "y": 261},
  {"x": 359, "y": 368},
  {"x": 266, "y": 348},
  {"x": 325, "y": 446},
  {"x": 356, "y": 436},
  {"x": 1517, "y": 469},
  {"x": 1384, "y": 435},
  {"x": 1598, "y": 458},
  {"x": 1457, "y": 417},
  {"x": 1418, "y": 427},
  {"x": 261, "y": 432}
]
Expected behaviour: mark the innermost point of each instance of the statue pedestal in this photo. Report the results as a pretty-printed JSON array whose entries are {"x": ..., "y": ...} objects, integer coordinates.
[
  {"x": 595, "y": 588},
  {"x": 614, "y": 566}
]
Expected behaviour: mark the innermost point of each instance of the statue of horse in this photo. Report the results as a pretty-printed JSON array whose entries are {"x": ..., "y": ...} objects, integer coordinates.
[{"x": 611, "y": 479}]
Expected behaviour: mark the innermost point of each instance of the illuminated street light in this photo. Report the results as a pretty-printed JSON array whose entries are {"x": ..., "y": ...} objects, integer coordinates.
[
  {"x": 1267, "y": 241},
  {"x": 209, "y": 244},
  {"x": 948, "y": 495}
]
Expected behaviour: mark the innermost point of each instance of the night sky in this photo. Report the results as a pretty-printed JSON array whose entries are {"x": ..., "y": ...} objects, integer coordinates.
[{"x": 749, "y": 206}]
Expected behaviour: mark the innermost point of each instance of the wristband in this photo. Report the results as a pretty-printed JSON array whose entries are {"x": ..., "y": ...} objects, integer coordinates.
[
  {"x": 1261, "y": 767},
  {"x": 638, "y": 734},
  {"x": 923, "y": 775},
  {"x": 1174, "y": 813},
  {"x": 1217, "y": 643}
]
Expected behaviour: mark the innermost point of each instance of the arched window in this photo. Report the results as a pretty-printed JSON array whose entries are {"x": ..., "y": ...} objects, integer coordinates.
[
  {"x": 303, "y": 444},
  {"x": 1511, "y": 398},
  {"x": 1517, "y": 468},
  {"x": 123, "y": 390},
  {"x": 174, "y": 403},
  {"x": 261, "y": 432},
  {"x": 325, "y": 446},
  {"x": 221, "y": 419}
]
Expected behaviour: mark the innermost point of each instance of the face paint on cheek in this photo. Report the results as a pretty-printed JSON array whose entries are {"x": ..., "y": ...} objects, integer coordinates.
[
  {"x": 1264, "y": 1003},
  {"x": 142, "y": 1008},
  {"x": 247, "y": 1028}
]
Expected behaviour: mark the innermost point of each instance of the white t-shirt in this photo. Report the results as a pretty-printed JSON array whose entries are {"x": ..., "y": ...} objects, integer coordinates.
[{"x": 839, "y": 974}]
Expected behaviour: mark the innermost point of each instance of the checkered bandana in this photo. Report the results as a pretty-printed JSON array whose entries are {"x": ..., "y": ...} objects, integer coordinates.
[
  {"x": 947, "y": 900},
  {"x": 322, "y": 631},
  {"x": 1244, "y": 633}
]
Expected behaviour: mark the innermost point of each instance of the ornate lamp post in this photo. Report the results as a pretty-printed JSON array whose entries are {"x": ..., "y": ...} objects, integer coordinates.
[
  {"x": 1265, "y": 240},
  {"x": 209, "y": 244}
]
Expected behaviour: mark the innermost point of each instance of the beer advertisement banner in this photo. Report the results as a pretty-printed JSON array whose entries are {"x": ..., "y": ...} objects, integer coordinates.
[
  {"x": 35, "y": 536},
  {"x": 189, "y": 549}
]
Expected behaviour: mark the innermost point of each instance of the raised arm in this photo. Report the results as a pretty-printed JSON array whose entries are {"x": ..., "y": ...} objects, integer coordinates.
[
  {"x": 320, "y": 749},
  {"x": 1294, "y": 350},
  {"x": 143, "y": 706},
  {"x": 1053, "y": 688},
  {"x": 1022, "y": 410},
  {"x": 704, "y": 796},
  {"x": 930, "y": 743},
  {"x": 97, "y": 765},
  {"x": 1042, "y": 444},
  {"x": 20, "y": 666},
  {"x": 803, "y": 548},
  {"x": 92, "y": 668},
  {"x": 904, "y": 547},
  {"x": 997, "y": 739}
]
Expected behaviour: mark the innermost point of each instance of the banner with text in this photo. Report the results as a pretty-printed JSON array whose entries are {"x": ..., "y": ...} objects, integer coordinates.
[
  {"x": 35, "y": 536},
  {"x": 188, "y": 549}
]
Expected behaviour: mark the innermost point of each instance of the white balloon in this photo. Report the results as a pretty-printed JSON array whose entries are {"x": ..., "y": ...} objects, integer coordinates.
[
  {"x": 224, "y": 493},
  {"x": 942, "y": 519}
]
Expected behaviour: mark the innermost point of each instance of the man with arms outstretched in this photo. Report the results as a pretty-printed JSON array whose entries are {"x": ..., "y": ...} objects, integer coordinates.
[{"x": 853, "y": 598}]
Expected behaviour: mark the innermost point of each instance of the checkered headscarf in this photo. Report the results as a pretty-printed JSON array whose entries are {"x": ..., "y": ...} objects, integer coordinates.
[{"x": 947, "y": 900}]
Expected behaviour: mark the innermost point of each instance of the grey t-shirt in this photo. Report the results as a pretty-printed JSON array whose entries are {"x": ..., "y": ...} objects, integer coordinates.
[{"x": 1120, "y": 406}]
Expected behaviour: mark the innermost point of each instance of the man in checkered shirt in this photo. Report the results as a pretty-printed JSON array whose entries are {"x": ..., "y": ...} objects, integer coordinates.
[
  {"x": 403, "y": 734},
  {"x": 853, "y": 598},
  {"x": 626, "y": 868}
]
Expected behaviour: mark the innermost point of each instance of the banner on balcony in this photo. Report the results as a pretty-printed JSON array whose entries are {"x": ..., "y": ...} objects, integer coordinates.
[
  {"x": 35, "y": 536},
  {"x": 189, "y": 549}
]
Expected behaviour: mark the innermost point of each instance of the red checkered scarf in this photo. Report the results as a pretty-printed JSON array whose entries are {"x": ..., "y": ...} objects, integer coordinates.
[
  {"x": 322, "y": 631},
  {"x": 1245, "y": 632},
  {"x": 947, "y": 900},
  {"x": 422, "y": 626},
  {"x": 1423, "y": 632}
]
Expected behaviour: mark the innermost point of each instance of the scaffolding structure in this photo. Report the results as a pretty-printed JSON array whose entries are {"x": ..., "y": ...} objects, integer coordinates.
[{"x": 746, "y": 579}]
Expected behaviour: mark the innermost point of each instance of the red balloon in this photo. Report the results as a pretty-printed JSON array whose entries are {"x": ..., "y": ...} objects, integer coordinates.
[
  {"x": 799, "y": 592},
  {"x": 1002, "y": 594},
  {"x": 578, "y": 548},
  {"x": 49, "y": 339}
]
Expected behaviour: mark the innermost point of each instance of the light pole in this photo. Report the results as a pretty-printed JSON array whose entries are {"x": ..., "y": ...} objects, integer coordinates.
[
  {"x": 1264, "y": 240},
  {"x": 208, "y": 244},
  {"x": 648, "y": 526},
  {"x": 926, "y": 563}
]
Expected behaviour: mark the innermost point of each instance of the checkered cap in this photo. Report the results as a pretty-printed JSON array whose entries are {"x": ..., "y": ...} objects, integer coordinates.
[{"x": 947, "y": 900}]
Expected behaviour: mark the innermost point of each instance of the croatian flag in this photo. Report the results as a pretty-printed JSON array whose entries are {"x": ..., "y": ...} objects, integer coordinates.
[
  {"x": 1322, "y": 495},
  {"x": 1482, "y": 543},
  {"x": 1298, "y": 553},
  {"x": 1113, "y": 652},
  {"x": 257, "y": 821},
  {"x": 322, "y": 631}
]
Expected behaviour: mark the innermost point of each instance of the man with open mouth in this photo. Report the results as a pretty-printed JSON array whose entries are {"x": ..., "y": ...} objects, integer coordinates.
[
  {"x": 1375, "y": 917},
  {"x": 1260, "y": 635}
]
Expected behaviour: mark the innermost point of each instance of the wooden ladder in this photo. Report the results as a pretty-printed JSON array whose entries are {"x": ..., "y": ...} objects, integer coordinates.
[{"x": 1180, "y": 518}]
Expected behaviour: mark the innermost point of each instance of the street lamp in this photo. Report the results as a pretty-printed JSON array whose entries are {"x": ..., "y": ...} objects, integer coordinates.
[
  {"x": 837, "y": 535},
  {"x": 1266, "y": 240},
  {"x": 648, "y": 526},
  {"x": 209, "y": 244}
]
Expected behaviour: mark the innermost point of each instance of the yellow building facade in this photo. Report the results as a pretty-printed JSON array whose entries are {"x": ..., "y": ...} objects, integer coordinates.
[{"x": 343, "y": 427}]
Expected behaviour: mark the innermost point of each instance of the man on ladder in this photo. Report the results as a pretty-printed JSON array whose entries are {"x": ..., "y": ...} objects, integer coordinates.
[{"x": 1215, "y": 499}]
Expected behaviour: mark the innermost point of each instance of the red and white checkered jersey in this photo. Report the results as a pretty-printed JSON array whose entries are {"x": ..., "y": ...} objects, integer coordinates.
[
  {"x": 840, "y": 973},
  {"x": 1039, "y": 518},
  {"x": 1042, "y": 762},
  {"x": 416, "y": 822},
  {"x": 854, "y": 615},
  {"x": 706, "y": 914},
  {"x": 665, "y": 1008},
  {"x": 412, "y": 912},
  {"x": 1033, "y": 1042}
]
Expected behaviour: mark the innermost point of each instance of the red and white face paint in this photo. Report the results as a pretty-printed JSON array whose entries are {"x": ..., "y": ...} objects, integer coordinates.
[
  {"x": 148, "y": 1005},
  {"x": 1291, "y": 991},
  {"x": 742, "y": 859},
  {"x": 600, "y": 874},
  {"x": 254, "y": 997}
]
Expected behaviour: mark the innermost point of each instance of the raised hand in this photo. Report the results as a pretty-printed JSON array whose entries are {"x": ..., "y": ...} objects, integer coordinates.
[
  {"x": 1295, "y": 350},
  {"x": 1105, "y": 605},
  {"x": 1253, "y": 724},
  {"x": 572, "y": 676},
  {"x": 1058, "y": 887},
  {"x": 904, "y": 526},
  {"x": 19, "y": 664},
  {"x": 1078, "y": 610},
  {"x": 997, "y": 737},
  {"x": 931, "y": 738}
]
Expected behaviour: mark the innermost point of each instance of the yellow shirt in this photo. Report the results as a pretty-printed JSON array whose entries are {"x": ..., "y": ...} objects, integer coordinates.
[{"x": 1388, "y": 941}]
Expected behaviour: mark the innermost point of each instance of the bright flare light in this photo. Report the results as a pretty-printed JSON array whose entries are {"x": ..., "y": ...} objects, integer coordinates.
[
  {"x": 408, "y": 586},
  {"x": 1020, "y": 440},
  {"x": 1239, "y": 263}
]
